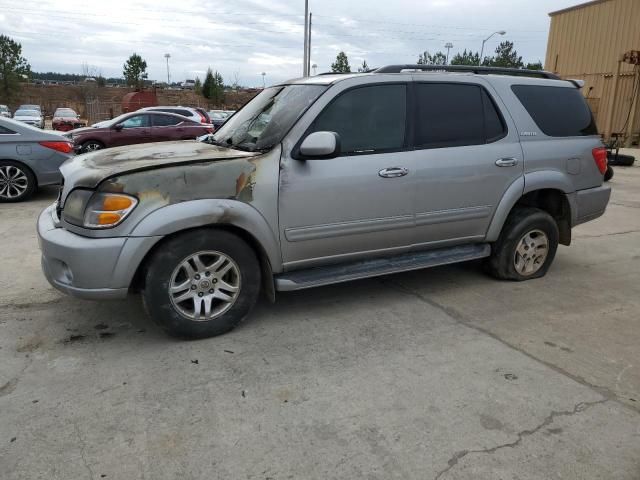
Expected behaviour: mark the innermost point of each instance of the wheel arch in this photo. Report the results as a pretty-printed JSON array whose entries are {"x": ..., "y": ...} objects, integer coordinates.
[
  {"x": 233, "y": 216},
  {"x": 556, "y": 202}
]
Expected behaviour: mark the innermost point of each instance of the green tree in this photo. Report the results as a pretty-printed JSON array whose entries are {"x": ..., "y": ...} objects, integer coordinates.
[
  {"x": 364, "y": 67},
  {"x": 197, "y": 87},
  {"x": 218, "y": 89},
  {"x": 506, "y": 56},
  {"x": 207, "y": 86},
  {"x": 466, "y": 58},
  {"x": 437, "y": 59},
  {"x": 534, "y": 66},
  {"x": 341, "y": 65},
  {"x": 13, "y": 67},
  {"x": 135, "y": 71}
]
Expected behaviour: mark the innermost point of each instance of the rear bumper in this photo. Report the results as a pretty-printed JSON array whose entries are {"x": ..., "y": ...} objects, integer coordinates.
[{"x": 590, "y": 204}]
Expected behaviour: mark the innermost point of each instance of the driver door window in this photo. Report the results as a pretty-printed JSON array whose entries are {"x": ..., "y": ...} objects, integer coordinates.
[
  {"x": 137, "y": 121},
  {"x": 368, "y": 119}
]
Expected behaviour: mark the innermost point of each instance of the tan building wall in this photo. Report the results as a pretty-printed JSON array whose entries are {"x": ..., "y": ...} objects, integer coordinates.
[{"x": 586, "y": 42}]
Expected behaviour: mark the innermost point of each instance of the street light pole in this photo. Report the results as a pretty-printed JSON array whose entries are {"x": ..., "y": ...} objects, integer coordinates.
[
  {"x": 499, "y": 32},
  {"x": 305, "y": 60},
  {"x": 448, "y": 46},
  {"x": 168, "y": 56},
  {"x": 264, "y": 74}
]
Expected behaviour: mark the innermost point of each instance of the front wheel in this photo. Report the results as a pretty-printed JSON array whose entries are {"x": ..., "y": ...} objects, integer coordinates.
[
  {"x": 526, "y": 246},
  {"x": 201, "y": 283},
  {"x": 91, "y": 146}
]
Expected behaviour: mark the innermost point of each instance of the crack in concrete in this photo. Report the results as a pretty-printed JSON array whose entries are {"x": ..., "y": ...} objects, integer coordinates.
[
  {"x": 82, "y": 448},
  {"x": 580, "y": 237},
  {"x": 580, "y": 407},
  {"x": 462, "y": 320}
]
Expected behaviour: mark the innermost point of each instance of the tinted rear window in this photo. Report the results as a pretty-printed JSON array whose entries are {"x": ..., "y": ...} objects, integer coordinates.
[{"x": 557, "y": 111}]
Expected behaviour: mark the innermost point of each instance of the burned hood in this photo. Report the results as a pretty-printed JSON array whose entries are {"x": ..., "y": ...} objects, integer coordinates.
[{"x": 90, "y": 169}]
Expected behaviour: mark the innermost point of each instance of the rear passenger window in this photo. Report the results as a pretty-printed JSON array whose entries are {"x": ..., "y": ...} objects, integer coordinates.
[
  {"x": 557, "y": 111},
  {"x": 165, "y": 120},
  {"x": 454, "y": 115},
  {"x": 6, "y": 131},
  {"x": 368, "y": 119}
]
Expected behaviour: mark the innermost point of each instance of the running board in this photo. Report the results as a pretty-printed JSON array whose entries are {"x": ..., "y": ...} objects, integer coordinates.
[{"x": 345, "y": 272}]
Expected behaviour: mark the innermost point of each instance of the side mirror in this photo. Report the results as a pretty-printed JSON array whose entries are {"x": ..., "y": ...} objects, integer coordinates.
[
  {"x": 117, "y": 127},
  {"x": 321, "y": 145}
]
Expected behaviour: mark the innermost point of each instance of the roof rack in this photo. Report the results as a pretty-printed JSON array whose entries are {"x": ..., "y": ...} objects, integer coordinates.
[{"x": 470, "y": 69}]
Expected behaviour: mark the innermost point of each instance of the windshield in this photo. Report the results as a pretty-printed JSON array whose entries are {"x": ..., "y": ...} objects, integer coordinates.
[
  {"x": 112, "y": 122},
  {"x": 27, "y": 113},
  {"x": 264, "y": 121},
  {"x": 64, "y": 112}
]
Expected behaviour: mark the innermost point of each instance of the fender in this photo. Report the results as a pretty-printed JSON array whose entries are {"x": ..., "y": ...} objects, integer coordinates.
[
  {"x": 547, "y": 179},
  {"x": 509, "y": 199},
  {"x": 210, "y": 212}
]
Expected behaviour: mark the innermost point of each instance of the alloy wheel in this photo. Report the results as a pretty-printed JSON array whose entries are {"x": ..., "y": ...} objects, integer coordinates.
[
  {"x": 205, "y": 285},
  {"x": 531, "y": 252},
  {"x": 13, "y": 182}
]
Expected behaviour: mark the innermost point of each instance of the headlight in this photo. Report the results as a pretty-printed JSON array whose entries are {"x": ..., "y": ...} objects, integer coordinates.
[
  {"x": 106, "y": 210},
  {"x": 85, "y": 208}
]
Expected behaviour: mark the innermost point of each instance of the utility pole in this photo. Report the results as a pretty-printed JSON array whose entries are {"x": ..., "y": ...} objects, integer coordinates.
[
  {"x": 305, "y": 62},
  {"x": 264, "y": 74},
  {"x": 168, "y": 56},
  {"x": 448, "y": 46}
]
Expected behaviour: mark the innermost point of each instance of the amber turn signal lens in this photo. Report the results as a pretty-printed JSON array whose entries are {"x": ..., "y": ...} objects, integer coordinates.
[
  {"x": 113, "y": 203},
  {"x": 108, "y": 218}
]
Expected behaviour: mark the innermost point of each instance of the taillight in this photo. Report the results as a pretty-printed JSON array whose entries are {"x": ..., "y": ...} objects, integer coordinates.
[
  {"x": 203, "y": 119},
  {"x": 600, "y": 157},
  {"x": 64, "y": 147}
]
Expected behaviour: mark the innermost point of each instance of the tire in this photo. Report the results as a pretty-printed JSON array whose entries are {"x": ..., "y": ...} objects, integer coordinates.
[
  {"x": 92, "y": 146},
  {"x": 608, "y": 175},
  {"x": 17, "y": 182},
  {"x": 621, "y": 160},
  {"x": 507, "y": 252},
  {"x": 167, "y": 268}
]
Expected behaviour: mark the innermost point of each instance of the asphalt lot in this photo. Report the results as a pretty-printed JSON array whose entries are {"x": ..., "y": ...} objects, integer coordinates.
[{"x": 436, "y": 374}]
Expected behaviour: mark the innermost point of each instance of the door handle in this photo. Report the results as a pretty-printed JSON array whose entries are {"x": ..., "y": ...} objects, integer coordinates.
[
  {"x": 507, "y": 162},
  {"x": 393, "y": 172}
]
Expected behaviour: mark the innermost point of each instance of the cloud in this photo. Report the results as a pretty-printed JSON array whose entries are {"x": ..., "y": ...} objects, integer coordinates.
[{"x": 248, "y": 36}]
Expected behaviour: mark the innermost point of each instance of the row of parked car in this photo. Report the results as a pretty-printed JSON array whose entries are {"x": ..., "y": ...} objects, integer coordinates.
[{"x": 30, "y": 156}]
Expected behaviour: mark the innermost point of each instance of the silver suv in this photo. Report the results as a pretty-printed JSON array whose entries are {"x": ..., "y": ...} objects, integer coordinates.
[{"x": 329, "y": 179}]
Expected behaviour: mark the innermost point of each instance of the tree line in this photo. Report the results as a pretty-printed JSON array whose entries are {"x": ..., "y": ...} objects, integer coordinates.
[{"x": 505, "y": 56}]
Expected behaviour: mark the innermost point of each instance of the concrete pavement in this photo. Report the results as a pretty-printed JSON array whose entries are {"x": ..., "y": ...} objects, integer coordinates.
[{"x": 435, "y": 374}]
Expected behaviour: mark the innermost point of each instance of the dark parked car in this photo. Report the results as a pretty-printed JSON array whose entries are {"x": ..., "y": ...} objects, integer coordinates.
[
  {"x": 136, "y": 127},
  {"x": 65, "y": 119},
  {"x": 29, "y": 158}
]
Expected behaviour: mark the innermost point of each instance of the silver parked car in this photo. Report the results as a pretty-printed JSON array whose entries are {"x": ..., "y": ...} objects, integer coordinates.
[
  {"x": 30, "y": 117},
  {"x": 29, "y": 158},
  {"x": 329, "y": 179}
]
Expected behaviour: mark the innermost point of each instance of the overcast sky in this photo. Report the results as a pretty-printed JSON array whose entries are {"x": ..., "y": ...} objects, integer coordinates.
[{"x": 247, "y": 37}]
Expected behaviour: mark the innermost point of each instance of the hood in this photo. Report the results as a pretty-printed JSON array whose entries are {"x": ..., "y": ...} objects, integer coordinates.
[
  {"x": 90, "y": 169},
  {"x": 27, "y": 117},
  {"x": 80, "y": 131}
]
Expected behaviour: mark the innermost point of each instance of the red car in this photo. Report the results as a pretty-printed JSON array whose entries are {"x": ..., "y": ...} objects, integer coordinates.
[
  {"x": 65, "y": 119},
  {"x": 137, "y": 127}
]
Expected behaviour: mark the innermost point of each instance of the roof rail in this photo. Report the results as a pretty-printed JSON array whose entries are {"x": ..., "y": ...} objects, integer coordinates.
[{"x": 470, "y": 69}]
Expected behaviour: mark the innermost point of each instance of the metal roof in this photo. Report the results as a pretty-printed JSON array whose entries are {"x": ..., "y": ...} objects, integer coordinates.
[{"x": 577, "y": 7}]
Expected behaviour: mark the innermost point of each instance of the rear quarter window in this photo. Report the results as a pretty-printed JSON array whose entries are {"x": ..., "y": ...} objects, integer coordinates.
[{"x": 557, "y": 111}]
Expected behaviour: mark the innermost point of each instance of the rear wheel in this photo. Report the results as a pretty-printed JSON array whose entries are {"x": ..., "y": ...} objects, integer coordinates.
[
  {"x": 526, "y": 247},
  {"x": 201, "y": 283},
  {"x": 92, "y": 146},
  {"x": 17, "y": 182}
]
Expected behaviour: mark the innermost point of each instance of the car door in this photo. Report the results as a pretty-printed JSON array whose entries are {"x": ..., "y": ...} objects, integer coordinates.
[
  {"x": 467, "y": 153},
  {"x": 359, "y": 203},
  {"x": 135, "y": 129}
]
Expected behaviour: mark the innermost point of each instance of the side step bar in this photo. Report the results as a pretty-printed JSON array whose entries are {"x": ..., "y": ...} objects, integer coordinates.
[{"x": 345, "y": 272}]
